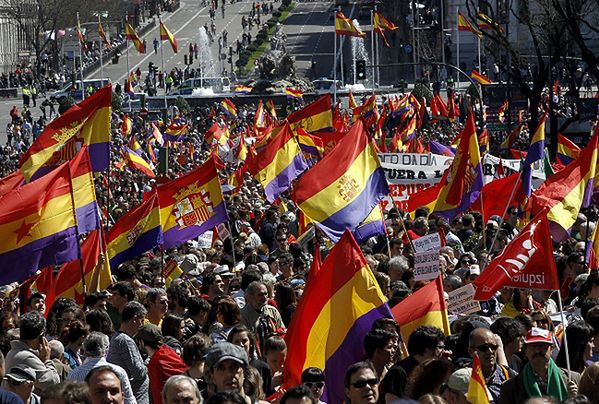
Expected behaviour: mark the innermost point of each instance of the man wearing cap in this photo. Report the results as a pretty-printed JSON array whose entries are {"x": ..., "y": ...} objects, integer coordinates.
[
  {"x": 20, "y": 380},
  {"x": 456, "y": 388},
  {"x": 225, "y": 365},
  {"x": 164, "y": 362},
  {"x": 540, "y": 376},
  {"x": 489, "y": 349},
  {"x": 32, "y": 350}
]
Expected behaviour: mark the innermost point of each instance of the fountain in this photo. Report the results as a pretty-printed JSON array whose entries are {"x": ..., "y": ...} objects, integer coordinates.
[
  {"x": 359, "y": 52},
  {"x": 206, "y": 59}
]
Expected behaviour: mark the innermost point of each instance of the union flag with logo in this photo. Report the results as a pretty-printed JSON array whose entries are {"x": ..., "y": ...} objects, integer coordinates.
[{"x": 527, "y": 262}]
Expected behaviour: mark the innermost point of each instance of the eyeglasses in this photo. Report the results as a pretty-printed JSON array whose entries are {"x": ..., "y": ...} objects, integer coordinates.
[
  {"x": 360, "y": 384},
  {"x": 319, "y": 385},
  {"x": 486, "y": 347}
]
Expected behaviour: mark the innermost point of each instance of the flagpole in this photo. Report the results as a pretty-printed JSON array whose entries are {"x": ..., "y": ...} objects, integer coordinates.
[
  {"x": 480, "y": 69},
  {"x": 80, "y": 55},
  {"x": 507, "y": 206},
  {"x": 128, "y": 71},
  {"x": 565, "y": 342},
  {"x": 335, "y": 65},
  {"x": 372, "y": 45},
  {"x": 100, "y": 46},
  {"x": 341, "y": 56},
  {"x": 378, "y": 60},
  {"x": 162, "y": 58},
  {"x": 458, "y": 50}
]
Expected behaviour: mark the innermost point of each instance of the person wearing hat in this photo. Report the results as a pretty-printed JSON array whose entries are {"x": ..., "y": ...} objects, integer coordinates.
[
  {"x": 540, "y": 376},
  {"x": 20, "y": 380},
  {"x": 456, "y": 388},
  {"x": 225, "y": 365},
  {"x": 164, "y": 362}
]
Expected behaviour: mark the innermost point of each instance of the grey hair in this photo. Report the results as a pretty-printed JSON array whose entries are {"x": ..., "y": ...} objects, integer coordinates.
[
  {"x": 177, "y": 379},
  {"x": 400, "y": 262},
  {"x": 96, "y": 345},
  {"x": 56, "y": 349}
]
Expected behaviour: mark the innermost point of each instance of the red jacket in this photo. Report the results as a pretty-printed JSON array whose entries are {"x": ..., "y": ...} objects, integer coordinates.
[{"x": 163, "y": 364}]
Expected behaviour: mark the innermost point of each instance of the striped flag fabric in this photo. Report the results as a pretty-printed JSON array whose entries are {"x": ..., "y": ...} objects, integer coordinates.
[
  {"x": 567, "y": 150},
  {"x": 294, "y": 93},
  {"x": 480, "y": 78},
  {"x": 126, "y": 126},
  {"x": 87, "y": 122},
  {"x": 191, "y": 204},
  {"x": 157, "y": 134},
  {"x": 229, "y": 108},
  {"x": 477, "y": 388},
  {"x": 535, "y": 152},
  {"x": 103, "y": 37},
  {"x": 84, "y": 193},
  {"x": 314, "y": 117},
  {"x": 278, "y": 164},
  {"x": 134, "y": 233},
  {"x": 136, "y": 161},
  {"x": 131, "y": 35},
  {"x": 165, "y": 35},
  {"x": 466, "y": 26},
  {"x": 176, "y": 132},
  {"x": 340, "y": 190},
  {"x": 426, "y": 306},
  {"x": 345, "y": 26},
  {"x": 37, "y": 226},
  {"x": 381, "y": 24},
  {"x": 336, "y": 311}
]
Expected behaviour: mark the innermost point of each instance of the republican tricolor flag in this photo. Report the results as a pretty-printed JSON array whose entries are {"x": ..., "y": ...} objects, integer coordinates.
[
  {"x": 229, "y": 108},
  {"x": 165, "y": 35}
]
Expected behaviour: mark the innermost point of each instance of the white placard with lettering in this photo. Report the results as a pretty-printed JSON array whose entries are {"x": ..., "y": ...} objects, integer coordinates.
[
  {"x": 461, "y": 300},
  {"x": 205, "y": 240},
  {"x": 426, "y": 265},
  {"x": 430, "y": 242}
]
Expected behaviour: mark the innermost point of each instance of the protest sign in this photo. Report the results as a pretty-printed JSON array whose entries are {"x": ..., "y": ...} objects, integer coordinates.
[
  {"x": 409, "y": 173},
  {"x": 461, "y": 300},
  {"x": 430, "y": 242},
  {"x": 426, "y": 265},
  {"x": 205, "y": 240},
  {"x": 490, "y": 164},
  {"x": 223, "y": 232}
]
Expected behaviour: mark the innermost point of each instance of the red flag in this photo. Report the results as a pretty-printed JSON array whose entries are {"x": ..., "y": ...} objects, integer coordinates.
[
  {"x": 492, "y": 199},
  {"x": 316, "y": 263},
  {"x": 527, "y": 262}
]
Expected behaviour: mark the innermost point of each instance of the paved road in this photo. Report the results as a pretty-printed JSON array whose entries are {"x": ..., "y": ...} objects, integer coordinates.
[{"x": 309, "y": 30}]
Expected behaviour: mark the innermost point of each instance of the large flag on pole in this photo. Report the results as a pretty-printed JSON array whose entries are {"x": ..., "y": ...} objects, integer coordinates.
[
  {"x": 85, "y": 123},
  {"x": 165, "y": 35},
  {"x": 526, "y": 262},
  {"x": 381, "y": 24},
  {"x": 345, "y": 26},
  {"x": 466, "y": 26},
  {"x": 565, "y": 192},
  {"x": 190, "y": 205},
  {"x": 131, "y": 35},
  {"x": 37, "y": 226},
  {"x": 340, "y": 190},
  {"x": 336, "y": 311},
  {"x": 536, "y": 151}
]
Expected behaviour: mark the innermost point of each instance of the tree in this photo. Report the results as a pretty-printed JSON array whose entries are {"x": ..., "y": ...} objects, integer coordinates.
[
  {"x": 35, "y": 18},
  {"x": 547, "y": 34}
]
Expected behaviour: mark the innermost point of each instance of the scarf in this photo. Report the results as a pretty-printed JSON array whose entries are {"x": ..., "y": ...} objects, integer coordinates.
[{"x": 555, "y": 384}]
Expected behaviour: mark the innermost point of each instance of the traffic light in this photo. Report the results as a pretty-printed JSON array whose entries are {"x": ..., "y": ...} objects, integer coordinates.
[{"x": 361, "y": 69}]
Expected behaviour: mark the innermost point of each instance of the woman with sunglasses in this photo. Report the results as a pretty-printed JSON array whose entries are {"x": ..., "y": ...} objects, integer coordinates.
[{"x": 313, "y": 378}]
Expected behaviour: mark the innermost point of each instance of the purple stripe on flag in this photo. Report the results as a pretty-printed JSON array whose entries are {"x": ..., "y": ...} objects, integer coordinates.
[
  {"x": 98, "y": 155},
  {"x": 468, "y": 198},
  {"x": 88, "y": 218},
  {"x": 349, "y": 352},
  {"x": 174, "y": 138},
  {"x": 364, "y": 231},
  {"x": 281, "y": 182},
  {"x": 354, "y": 213},
  {"x": 176, "y": 236},
  {"x": 145, "y": 242},
  {"x": 21, "y": 263},
  {"x": 438, "y": 148}
]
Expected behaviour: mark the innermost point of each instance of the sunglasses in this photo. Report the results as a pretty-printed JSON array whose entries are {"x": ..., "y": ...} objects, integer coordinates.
[
  {"x": 319, "y": 385},
  {"x": 486, "y": 347},
  {"x": 360, "y": 384}
]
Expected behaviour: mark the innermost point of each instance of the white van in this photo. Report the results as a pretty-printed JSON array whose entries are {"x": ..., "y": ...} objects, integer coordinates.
[
  {"x": 217, "y": 84},
  {"x": 76, "y": 91}
]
